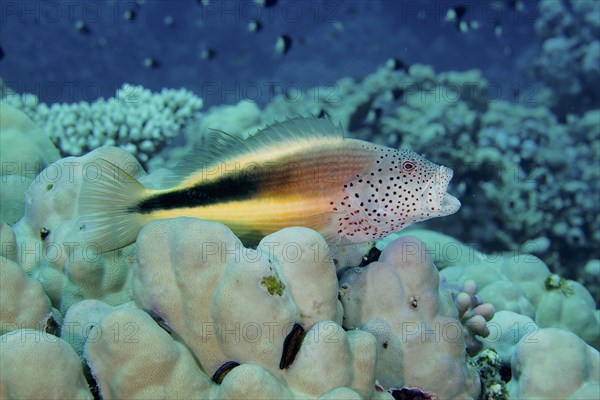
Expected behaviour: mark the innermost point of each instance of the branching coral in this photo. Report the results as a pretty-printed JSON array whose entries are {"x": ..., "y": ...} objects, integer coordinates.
[
  {"x": 137, "y": 120},
  {"x": 569, "y": 61}
]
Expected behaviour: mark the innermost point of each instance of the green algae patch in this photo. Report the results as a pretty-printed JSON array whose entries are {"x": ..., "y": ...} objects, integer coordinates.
[{"x": 273, "y": 284}]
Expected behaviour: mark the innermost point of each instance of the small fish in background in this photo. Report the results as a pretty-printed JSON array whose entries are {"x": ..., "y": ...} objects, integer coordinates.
[
  {"x": 151, "y": 63},
  {"x": 169, "y": 21},
  {"x": 339, "y": 26},
  {"x": 131, "y": 13},
  {"x": 283, "y": 44},
  {"x": 300, "y": 172},
  {"x": 208, "y": 54},
  {"x": 266, "y": 3},
  {"x": 101, "y": 42},
  {"x": 457, "y": 15},
  {"x": 255, "y": 26},
  {"x": 396, "y": 64},
  {"x": 497, "y": 28},
  {"x": 517, "y": 5},
  {"x": 473, "y": 25},
  {"x": 82, "y": 27},
  {"x": 1, "y": 53}
]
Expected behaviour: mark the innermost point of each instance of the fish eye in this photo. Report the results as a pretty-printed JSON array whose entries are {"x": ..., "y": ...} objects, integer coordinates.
[{"x": 408, "y": 166}]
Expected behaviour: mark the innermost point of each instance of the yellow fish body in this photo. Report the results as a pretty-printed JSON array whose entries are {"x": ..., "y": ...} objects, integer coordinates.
[{"x": 300, "y": 172}]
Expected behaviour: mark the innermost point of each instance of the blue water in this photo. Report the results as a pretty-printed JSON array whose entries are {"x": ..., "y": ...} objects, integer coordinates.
[{"x": 47, "y": 55}]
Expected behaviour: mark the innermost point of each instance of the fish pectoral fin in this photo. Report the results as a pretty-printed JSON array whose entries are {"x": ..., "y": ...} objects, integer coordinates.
[
  {"x": 106, "y": 207},
  {"x": 325, "y": 224}
]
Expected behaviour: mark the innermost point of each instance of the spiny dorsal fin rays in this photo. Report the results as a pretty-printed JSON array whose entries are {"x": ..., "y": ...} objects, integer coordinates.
[
  {"x": 211, "y": 150},
  {"x": 295, "y": 128},
  {"x": 226, "y": 134},
  {"x": 221, "y": 146}
]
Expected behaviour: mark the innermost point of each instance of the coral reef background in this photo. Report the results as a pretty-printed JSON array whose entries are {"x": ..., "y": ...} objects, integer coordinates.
[
  {"x": 506, "y": 93},
  {"x": 520, "y": 127}
]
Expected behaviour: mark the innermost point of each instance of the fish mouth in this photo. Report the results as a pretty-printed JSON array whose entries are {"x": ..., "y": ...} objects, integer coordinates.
[
  {"x": 439, "y": 201},
  {"x": 450, "y": 205}
]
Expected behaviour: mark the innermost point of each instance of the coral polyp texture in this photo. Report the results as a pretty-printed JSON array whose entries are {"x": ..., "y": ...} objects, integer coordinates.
[
  {"x": 24, "y": 352},
  {"x": 294, "y": 335}
]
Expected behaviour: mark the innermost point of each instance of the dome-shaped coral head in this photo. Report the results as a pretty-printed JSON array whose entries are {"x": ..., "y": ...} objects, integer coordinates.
[{"x": 398, "y": 189}]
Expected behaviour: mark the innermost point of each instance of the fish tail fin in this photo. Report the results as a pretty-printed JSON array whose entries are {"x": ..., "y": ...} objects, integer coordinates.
[{"x": 107, "y": 207}]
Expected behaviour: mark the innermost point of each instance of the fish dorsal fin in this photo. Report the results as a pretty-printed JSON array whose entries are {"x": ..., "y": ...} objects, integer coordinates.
[
  {"x": 221, "y": 146},
  {"x": 297, "y": 128},
  {"x": 213, "y": 148}
]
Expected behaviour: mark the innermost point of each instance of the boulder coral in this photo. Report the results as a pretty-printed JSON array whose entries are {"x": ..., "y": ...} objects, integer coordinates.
[
  {"x": 199, "y": 279},
  {"x": 552, "y": 364},
  {"x": 24, "y": 152},
  {"x": 399, "y": 300},
  {"x": 517, "y": 282},
  {"x": 24, "y": 304},
  {"x": 38, "y": 365},
  {"x": 49, "y": 245}
]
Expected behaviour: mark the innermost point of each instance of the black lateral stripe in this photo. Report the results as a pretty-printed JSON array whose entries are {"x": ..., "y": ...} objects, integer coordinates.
[{"x": 230, "y": 187}]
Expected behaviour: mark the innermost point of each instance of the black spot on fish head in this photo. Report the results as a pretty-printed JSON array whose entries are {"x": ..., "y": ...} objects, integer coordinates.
[{"x": 407, "y": 178}]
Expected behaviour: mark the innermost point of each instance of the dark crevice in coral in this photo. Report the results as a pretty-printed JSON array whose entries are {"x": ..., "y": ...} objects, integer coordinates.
[
  {"x": 372, "y": 255},
  {"x": 223, "y": 370},
  {"x": 52, "y": 326},
  {"x": 91, "y": 381},
  {"x": 44, "y": 232},
  {"x": 291, "y": 346},
  {"x": 160, "y": 321},
  {"x": 505, "y": 372},
  {"x": 410, "y": 394}
]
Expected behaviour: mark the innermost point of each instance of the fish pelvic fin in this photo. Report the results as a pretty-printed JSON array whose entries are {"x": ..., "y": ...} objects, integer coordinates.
[{"x": 107, "y": 207}]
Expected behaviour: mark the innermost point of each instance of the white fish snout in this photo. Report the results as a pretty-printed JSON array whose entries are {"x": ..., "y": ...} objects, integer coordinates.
[{"x": 439, "y": 201}]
